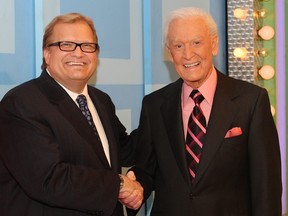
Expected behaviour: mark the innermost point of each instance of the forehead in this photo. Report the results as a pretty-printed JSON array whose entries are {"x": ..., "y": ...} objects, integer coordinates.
[
  {"x": 182, "y": 28},
  {"x": 67, "y": 31}
]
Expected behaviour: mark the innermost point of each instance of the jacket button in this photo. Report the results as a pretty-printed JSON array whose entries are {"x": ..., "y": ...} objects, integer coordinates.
[{"x": 191, "y": 196}]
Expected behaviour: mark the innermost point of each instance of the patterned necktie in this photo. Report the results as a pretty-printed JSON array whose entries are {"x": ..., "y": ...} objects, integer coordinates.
[
  {"x": 82, "y": 101},
  {"x": 196, "y": 131}
]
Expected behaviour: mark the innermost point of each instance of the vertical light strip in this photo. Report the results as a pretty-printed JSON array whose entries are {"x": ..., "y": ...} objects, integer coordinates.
[
  {"x": 281, "y": 88},
  {"x": 147, "y": 47},
  {"x": 240, "y": 34},
  {"x": 7, "y": 26},
  {"x": 38, "y": 7}
]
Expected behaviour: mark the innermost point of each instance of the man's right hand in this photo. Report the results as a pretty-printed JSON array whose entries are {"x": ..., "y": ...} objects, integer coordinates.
[{"x": 131, "y": 193}]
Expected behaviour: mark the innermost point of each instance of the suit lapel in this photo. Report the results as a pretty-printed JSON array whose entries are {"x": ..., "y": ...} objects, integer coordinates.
[
  {"x": 221, "y": 117},
  {"x": 67, "y": 107},
  {"x": 172, "y": 116}
]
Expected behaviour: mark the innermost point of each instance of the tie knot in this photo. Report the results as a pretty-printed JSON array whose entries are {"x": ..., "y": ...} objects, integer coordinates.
[
  {"x": 196, "y": 96},
  {"x": 81, "y": 100}
]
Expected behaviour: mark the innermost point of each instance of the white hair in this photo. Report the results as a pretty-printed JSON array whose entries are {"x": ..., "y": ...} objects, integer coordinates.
[{"x": 190, "y": 12}]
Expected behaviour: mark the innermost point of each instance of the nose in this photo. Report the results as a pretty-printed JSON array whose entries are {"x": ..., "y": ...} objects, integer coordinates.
[
  {"x": 188, "y": 52},
  {"x": 78, "y": 51}
]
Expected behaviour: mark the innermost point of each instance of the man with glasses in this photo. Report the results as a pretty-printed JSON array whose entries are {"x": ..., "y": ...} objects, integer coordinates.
[{"x": 61, "y": 143}]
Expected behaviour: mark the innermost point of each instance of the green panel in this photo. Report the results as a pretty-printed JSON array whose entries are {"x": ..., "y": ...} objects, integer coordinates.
[{"x": 270, "y": 45}]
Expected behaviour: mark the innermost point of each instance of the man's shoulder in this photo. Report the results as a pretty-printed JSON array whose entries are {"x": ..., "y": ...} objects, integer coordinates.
[
  {"x": 167, "y": 89},
  {"x": 22, "y": 89},
  {"x": 96, "y": 91},
  {"x": 97, "y": 94},
  {"x": 242, "y": 85}
]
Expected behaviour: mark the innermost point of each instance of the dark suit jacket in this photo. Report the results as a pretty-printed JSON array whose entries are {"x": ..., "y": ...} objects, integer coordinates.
[
  {"x": 50, "y": 161},
  {"x": 236, "y": 176}
]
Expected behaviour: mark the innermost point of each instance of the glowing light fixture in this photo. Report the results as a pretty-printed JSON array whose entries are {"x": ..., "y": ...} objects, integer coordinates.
[
  {"x": 273, "y": 110},
  {"x": 266, "y": 32},
  {"x": 262, "y": 52},
  {"x": 240, "y": 52},
  {"x": 266, "y": 72},
  {"x": 240, "y": 13},
  {"x": 262, "y": 13}
]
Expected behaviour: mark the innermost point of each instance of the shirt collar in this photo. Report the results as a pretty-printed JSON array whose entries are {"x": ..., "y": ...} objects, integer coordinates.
[
  {"x": 72, "y": 94},
  {"x": 207, "y": 89}
]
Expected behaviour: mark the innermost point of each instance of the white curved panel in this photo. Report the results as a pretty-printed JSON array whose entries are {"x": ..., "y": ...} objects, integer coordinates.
[{"x": 7, "y": 26}]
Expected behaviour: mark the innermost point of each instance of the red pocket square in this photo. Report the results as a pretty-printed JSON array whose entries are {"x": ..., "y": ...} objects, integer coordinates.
[{"x": 236, "y": 131}]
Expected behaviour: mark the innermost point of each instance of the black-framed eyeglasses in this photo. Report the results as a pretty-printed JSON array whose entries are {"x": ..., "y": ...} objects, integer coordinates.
[{"x": 69, "y": 46}]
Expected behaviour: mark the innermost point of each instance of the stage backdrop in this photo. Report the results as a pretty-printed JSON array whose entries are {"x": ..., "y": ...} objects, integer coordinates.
[{"x": 132, "y": 61}]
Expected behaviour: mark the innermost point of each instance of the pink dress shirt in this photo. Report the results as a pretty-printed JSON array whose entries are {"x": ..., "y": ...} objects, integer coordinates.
[{"x": 207, "y": 89}]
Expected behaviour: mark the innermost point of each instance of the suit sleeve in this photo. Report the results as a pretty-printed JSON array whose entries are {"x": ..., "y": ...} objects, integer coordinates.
[
  {"x": 264, "y": 157},
  {"x": 145, "y": 159}
]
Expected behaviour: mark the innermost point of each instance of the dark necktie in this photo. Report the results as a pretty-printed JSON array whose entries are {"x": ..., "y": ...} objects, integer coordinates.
[
  {"x": 82, "y": 101},
  {"x": 196, "y": 131}
]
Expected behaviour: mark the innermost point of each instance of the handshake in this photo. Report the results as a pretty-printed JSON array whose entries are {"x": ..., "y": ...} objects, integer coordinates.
[{"x": 131, "y": 191}]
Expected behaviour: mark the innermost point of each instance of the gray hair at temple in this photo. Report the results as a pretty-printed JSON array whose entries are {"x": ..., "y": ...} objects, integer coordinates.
[
  {"x": 69, "y": 18},
  {"x": 190, "y": 12}
]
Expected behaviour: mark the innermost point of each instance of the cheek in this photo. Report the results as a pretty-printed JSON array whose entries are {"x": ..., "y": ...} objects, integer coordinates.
[
  {"x": 176, "y": 58},
  {"x": 52, "y": 58},
  {"x": 94, "y": 59},
  {"x": 171, "y": 57},
  {"x": 93, "y": 62}
]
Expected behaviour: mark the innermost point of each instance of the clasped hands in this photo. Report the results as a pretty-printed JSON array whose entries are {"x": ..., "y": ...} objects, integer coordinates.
[{"x": 131, "y": 194}]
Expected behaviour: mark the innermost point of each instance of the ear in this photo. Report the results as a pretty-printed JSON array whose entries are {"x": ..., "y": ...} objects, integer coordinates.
[
  {"x": 46, "y": 55},
  {"x": 214, "y": 41},
  {"x": 170, "y": 53}
]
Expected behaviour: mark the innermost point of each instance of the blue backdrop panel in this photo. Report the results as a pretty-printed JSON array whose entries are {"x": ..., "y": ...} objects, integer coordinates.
[
  {"x": 111, "y": 19},
  {"x": 19, "y": 66}
]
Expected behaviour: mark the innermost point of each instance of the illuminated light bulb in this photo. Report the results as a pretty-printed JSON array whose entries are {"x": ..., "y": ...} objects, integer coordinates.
[
  {"x": 240, "y": 13},
  {"x": 266, "y": 72},
  {"x": 240, "y": 52},
  {"x": 262, "y": 13},
  {"x": 273, "y": 110},
  {"x": 266, "y": 32},
  {"x": 262, "y": 52}
]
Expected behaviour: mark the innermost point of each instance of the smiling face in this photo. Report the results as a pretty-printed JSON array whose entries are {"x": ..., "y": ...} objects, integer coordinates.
[
  {"x": 191, "y": 49},
  {"x": 71, "y": 69}
]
